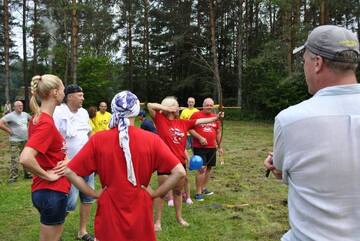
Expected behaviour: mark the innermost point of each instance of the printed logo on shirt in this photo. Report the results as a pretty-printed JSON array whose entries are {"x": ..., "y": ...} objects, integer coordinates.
[
  {"x": 176, "y": 135},
  {"x": 209, "y": 127}
]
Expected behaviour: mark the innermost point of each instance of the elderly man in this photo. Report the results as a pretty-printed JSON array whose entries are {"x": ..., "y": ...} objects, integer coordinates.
[
  {"x": 207, "y": 140},
  {"x": 316, "y": 142},
  {"x": 125, "y": 166},
  {"x": 72, "y": 121},
  {"x": 16, "y": 125}
]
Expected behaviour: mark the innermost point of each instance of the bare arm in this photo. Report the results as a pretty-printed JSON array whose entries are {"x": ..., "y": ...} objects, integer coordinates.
[
  {"x": 210, "y": 119},
  {"x": 27, "y": 159},
  {"x": 201, "y": 139},
  {"x": 80, "y": 183},
  {"x": 153, "y": 107},
  {"x": 177, "y": 173},
  {"x": 4, "y": 127}
]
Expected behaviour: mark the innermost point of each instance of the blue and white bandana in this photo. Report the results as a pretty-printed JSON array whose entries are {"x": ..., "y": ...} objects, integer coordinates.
[{"x": 125, "y": 104}]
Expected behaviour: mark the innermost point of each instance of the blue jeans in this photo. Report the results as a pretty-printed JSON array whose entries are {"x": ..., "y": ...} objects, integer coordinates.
[
  {"x": 74, "y": 194},
  {"x": 51, "y": 206}
]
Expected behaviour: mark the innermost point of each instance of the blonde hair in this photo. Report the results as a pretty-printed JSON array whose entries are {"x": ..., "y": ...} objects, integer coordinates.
[
  {"x": 169, "y": 101},
  {"x": 41, "y": 85}
]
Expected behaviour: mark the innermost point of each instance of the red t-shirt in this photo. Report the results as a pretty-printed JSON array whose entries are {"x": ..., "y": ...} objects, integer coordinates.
[
  {"x": 46, "y": 139},
  {"x": 124, "y": 212},
  {"x": 173, "y": 133},
  {"x": 208, "y": 131}
]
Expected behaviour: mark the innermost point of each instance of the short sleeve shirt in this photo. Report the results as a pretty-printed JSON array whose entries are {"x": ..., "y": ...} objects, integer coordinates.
[
  {"x": 173, "y": 133},
  {"x": 316, "y": 145},
  {"x": 187, "y": 113},
  {"x": 18, "y": 123},
  {"x": 101, "y": 121},
  {"x": 73, "y": 126},
  {"x": 124, "y": 211},
  {"x": 46, "y": 139},
  {"x": 208, "y": 130}
]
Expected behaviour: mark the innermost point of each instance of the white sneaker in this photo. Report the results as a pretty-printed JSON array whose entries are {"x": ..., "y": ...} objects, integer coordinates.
[
  {"x": 171, "y": 203},
  {"x": 189, "y": 201}
]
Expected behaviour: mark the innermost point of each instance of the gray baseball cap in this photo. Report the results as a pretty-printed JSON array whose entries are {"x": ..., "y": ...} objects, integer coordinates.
[{"x": 329, "y": 41}]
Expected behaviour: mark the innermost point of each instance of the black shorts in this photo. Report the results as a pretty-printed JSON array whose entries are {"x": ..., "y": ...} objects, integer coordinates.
[
  {"x": 207, "y": 154},
  {"x": 168, "y": 173}
]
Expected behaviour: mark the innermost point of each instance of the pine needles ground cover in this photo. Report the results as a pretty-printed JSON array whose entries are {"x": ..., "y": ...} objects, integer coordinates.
[{"x": 245, "y": 206}]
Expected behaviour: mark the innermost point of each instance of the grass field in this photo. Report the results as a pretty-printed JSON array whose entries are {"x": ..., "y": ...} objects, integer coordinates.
[{"x": 221, "y": 217}]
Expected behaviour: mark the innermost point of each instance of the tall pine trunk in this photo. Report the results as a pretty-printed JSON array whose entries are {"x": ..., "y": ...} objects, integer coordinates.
[
  {"x": 213, "y": 50},
  {"x": 6, "y": 50},
  {"x": 146, "y": 47},
  {"x": 324, "y": 12},
  {"x": 35, "y": 38},
  {"x": 239, "y": 41},
  {"x": 74, "y": 40},
  {"x": 130, "y": 50},
  {"x": 25, "y": 79}
]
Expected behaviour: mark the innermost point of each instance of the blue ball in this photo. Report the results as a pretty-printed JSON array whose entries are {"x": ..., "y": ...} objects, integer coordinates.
[{"x": 195, "y": 163}]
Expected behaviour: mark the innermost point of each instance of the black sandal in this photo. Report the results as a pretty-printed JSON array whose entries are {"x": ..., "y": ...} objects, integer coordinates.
[{"x": 86, "y": 237}]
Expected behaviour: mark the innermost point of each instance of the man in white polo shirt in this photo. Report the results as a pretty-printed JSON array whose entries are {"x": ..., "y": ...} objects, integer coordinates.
[
  {"x": 317, "y": 142},
  {"x": 72, "y": 122}
]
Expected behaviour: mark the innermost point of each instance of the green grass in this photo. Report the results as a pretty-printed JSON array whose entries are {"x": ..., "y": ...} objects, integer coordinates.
[{"x": 240, "y": 181}]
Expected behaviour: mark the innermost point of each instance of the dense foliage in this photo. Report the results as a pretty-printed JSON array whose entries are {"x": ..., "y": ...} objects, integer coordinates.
[{"x": 162, "y": 47}]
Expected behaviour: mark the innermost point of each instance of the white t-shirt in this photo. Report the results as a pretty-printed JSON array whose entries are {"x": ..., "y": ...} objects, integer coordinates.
[
  {"x": 74, "y": 127},
  {"x": 317, "y": 147}
]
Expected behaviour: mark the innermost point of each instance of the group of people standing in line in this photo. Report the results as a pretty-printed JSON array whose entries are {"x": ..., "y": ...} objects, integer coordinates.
[{"x": 61, "y": 148}]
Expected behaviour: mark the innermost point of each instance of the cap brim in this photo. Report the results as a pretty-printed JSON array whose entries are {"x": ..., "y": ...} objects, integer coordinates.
[{"x": 298, "y": 49}]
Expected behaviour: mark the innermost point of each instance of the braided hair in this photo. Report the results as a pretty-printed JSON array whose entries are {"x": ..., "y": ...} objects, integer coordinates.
[{"x": 41, "y": 86}]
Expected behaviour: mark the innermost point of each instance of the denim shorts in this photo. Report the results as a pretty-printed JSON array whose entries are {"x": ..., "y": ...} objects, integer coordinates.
[
  {"x": 51, "y": 206},
  {"x": 74, "y": 194}
]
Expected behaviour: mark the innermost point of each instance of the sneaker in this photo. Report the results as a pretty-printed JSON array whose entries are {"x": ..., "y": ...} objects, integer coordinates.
[
  {"x": 189, "y": 201},
  {"x": 171, "y": 203},
  {"x": 199, "y": 197},
  {"x": 207, "y": 192}
]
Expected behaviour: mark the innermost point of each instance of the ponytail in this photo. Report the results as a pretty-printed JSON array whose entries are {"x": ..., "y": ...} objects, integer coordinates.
[
  {"x": 41, "y": 86},
  {"x": 34, "y": 106}
]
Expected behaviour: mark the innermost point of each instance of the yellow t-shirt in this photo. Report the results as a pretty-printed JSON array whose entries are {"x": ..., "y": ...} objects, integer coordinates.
[
  {"x": 187, "y": 113},
  {"x": 101, "y": 121}
]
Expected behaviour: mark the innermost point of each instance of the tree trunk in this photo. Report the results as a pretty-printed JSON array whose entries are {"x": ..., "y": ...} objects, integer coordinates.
[
  {"x": 6, "y": 50},
  {"x": 239, "y": 53},
  {"x": 130, "y": 54},
  {"x": 324, "y": 12},
  {"x": 25, "y": 79},
  {"x": 68, "y": 47},
  {"x": 213, "y": 51},
  {"x": 35, "y": 38},
  {"x": 294, "y": 26},
  {"x": 146, "y": 47},
  {"x": 74, "y": 40}
]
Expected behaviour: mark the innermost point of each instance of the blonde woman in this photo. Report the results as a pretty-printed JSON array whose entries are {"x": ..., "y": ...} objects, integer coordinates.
[
  {"x": 44, "y": 156},
  {"x": 173, "y": 132}
]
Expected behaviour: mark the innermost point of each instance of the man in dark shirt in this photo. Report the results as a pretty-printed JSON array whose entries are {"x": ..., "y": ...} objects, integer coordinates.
[{"x": 146, "y": 124}]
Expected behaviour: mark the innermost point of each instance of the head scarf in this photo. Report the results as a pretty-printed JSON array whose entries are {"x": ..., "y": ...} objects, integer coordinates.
[{"x": 125, "y": 104}]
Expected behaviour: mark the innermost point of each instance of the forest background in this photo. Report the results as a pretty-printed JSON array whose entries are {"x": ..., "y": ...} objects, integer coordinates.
[{"x": 238, "y": 52}]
